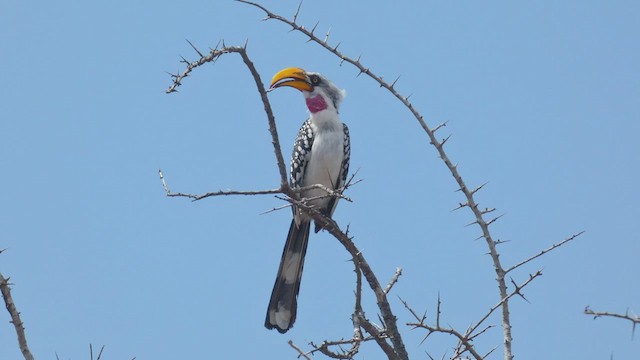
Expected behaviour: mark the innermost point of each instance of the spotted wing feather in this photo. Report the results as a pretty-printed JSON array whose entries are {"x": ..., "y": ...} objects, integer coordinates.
[{"x": 301, "y": 154}]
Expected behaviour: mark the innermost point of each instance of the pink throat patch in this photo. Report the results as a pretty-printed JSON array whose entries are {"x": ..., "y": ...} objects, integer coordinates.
[{"x": 316, "y": 104}]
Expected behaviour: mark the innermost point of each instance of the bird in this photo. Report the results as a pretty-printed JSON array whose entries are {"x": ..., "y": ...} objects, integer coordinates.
[{"x": 321, "y": 155}]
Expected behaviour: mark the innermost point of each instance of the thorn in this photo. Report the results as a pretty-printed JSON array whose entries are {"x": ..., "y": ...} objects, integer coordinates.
[
  {"x": 471, "y": 223},
  {"x": 246, "y": 42},
  {"x": 314, "y": 27},
  {"x": 440, "y": 126},
  {"x": 478, "y": 188},
  {"x": 425, "y": 338},
  {"x": 460, "y": 206},
  {"x": 517, "y": 290},
  {"x": 326, "y": 37},
  {"x": 194, "y": 48},
  {"x": 444, "y": 140},
  {"x": 494, "y": 219},
  {"x": 406, "y": 98},
  {"x": 394, "y": 82},
  {"x": 297, "y": 12},
  {"x": 336, "y": 47}
]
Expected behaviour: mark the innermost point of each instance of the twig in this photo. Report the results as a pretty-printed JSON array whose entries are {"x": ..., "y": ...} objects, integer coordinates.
[
  {"x": 635, "y": 319},
  {"x": 15, "y": 317},
  {"x": 195, "y": 197},
  {"x": 463, "y": 338},
  {"x": 554, "y": 246},
  {"x": 496, "y": 306},
  {"x": 300, "y": 352},
  {"x": 393, "y": 280}
]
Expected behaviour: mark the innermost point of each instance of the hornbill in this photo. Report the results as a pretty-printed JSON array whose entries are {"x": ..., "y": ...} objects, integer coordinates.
[{"x": 320, "y": 156}]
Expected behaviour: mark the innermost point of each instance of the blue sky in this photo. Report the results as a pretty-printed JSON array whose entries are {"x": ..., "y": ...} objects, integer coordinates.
[{"x": 542, "y": 102}]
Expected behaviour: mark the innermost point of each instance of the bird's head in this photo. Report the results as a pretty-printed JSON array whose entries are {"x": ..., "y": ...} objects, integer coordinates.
[{"x": 319, "y": 93}]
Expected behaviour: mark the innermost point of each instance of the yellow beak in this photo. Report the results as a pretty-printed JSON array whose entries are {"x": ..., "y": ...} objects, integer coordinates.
[{"x": 294, "y": 77}]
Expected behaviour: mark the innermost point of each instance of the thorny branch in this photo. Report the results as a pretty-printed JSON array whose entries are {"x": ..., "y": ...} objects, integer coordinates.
[
  {"x": 465, "y": 339},
  {"x": 397, "y": 351},
  {"x": 15, "y": 317},
  {"x": 635, "y": 319},
  {"x": 439, "y": 145},
  {"x": 542, "y": 252}
]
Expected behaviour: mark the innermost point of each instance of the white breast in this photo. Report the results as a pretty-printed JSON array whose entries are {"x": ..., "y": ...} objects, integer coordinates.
[{"x": 327, "y": 154}]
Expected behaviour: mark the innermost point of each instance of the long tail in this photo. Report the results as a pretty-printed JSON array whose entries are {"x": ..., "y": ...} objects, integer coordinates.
[{"x": 283, "y": 305}]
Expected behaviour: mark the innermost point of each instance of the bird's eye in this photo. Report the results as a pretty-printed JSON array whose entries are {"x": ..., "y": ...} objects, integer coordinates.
[{"x": 315, "y": 79}]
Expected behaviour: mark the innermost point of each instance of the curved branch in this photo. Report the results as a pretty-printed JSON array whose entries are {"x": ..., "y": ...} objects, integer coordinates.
[{"x": 212, "y": 57}]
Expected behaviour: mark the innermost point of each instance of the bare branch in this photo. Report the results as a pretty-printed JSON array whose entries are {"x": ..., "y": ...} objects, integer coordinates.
[
  {"x": 554, "y": 246},
  {"x": 463, "y": 338},
  {"x": 496, "y": 306},
  {"x": 15, "y": 317},
  {"x": 300, "y": 352},
  {"x": 635, "y": 319},
  {"x": 195, "y": 197},
  {"x": 394, "y": 280},
  {"x": 438, "y": 127}
]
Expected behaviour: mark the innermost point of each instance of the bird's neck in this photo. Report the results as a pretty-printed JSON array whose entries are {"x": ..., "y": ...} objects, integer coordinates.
[
  {"x": 316, "y": 104},
  {"x": 326, "y": 120}
]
